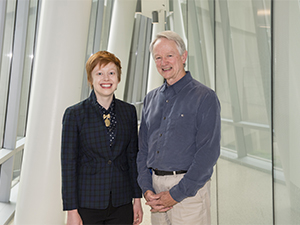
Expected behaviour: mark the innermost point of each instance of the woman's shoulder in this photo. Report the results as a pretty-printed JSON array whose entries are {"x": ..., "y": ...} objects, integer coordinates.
[
  {"x": 122, "y": 103},
  {"x": 78, "y": 108}
]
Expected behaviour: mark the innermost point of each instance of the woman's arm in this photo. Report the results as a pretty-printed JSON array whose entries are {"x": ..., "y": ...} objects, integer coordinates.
[
  {"x": 69, "y": 155},
  {"x": 137, "y": 211},
  {"x": 74, "y": 218}
]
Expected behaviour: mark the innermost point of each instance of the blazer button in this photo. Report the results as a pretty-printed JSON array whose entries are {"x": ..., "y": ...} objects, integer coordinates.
[{"x": 109, "y": 162}]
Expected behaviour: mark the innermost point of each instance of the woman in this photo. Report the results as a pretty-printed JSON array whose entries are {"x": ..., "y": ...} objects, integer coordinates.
[{"x": 99, "y": 149}]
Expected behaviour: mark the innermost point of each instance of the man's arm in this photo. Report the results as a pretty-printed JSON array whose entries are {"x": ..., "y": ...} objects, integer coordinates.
[
  {"x": 144, "y": 174},
  {"x": 208, "y": 149}
]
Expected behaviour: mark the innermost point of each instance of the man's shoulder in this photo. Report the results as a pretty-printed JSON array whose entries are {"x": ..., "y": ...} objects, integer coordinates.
[
  {"x": 198, "y": 84},
  {"x": 154, "y": 91},
  {"x": 200, "y": 88}
]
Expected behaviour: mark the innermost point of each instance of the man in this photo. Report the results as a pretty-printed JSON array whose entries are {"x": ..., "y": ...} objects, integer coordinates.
[{"x": 179, "y": 139}]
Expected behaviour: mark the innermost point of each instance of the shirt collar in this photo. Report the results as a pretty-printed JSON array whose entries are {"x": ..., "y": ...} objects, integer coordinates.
[
  {"x": 179, "y": 84},
  {"x": 96, "y": 103}
]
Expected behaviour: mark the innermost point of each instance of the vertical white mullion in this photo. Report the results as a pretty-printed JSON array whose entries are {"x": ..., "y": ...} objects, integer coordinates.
[
  {"x": 178, "y": 21},
  {"x": 99, "y": 25},
  {"x": 2, "y": 23},
  {"x": 154, "y": 78},
  {"x": 15, "y": 85},
  {"x": 147, "y": 59},
  {"x": 136, "y": 85},
  {"x": 14, "y": 96}
]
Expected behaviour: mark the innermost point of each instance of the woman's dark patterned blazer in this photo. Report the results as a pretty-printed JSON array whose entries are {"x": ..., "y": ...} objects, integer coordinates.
[{"x": 91, "y": 169}]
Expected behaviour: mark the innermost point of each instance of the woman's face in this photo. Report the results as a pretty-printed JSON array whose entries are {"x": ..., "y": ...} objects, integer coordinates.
[{"x": 105, "y": 80}]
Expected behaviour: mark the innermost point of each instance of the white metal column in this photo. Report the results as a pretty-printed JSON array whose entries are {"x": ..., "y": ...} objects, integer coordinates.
[
  {"x": 121, "y": 35},
  {"x": 57, "y": 80}
]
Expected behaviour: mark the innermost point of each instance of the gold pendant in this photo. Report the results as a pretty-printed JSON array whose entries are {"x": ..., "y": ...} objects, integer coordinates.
[{"x": 106, "y": 120}]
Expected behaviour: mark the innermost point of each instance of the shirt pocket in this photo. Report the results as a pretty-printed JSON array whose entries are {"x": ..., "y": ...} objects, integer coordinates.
[{"x": 184, "y": 127}]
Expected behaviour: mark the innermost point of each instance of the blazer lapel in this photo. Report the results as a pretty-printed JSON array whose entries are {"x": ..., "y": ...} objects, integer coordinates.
[
  {"x": 121, "y": 118},
  {"x": 102, "y": 128}
]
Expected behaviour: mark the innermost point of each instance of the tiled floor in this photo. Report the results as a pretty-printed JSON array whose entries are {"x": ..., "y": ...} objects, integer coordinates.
[
  {"x": 146, "y": 216},
  {"x": 247, "y": 191}
]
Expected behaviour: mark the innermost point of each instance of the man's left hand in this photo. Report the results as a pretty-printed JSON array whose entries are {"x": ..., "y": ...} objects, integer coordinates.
[{"x": 164, "y": 202}]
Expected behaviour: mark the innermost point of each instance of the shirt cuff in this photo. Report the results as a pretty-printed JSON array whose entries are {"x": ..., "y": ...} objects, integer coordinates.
[{"x": 176, "y": 194}]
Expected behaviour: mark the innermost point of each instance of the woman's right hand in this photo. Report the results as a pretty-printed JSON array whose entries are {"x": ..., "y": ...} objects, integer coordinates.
[{"x": 74, "y": 218}]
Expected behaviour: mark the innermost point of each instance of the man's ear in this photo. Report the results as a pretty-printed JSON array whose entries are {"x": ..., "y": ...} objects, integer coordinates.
[{"x": 184, "y": 56}]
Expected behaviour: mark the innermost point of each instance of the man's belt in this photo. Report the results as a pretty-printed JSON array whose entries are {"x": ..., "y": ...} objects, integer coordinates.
[{"x": 164, "y": 173}]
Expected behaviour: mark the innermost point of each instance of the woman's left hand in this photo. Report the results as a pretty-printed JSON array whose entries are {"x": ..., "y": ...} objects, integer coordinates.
[{"x": 137, "y": 211}]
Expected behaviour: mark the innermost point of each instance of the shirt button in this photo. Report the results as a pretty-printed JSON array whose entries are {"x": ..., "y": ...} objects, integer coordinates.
[
  {"x": 164, "y": 117},
  {"x": 160, "y": 135},
  {"x": 109, "y": 162},
  {"x": 157, "y": 152},
  {"x": 167, "y": 100}
]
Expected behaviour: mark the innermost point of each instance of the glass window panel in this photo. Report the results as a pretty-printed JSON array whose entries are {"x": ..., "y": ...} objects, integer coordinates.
[
  {"x": 201, "y": 41},
  {"x": 228, "y": 137},
  {"x": 5, "y": 64},
  {"x": 286, "y": 112},
  {"x": 243, "y": 80},
  {"x": 137, "y": 75},
  {"x": 199, "y": 30},
  {"x": 17, "y": 167},
  {"x": 258, "y": 143}
]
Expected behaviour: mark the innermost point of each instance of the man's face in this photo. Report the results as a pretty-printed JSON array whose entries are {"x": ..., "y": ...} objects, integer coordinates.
[{"x": 169, "y": 63}]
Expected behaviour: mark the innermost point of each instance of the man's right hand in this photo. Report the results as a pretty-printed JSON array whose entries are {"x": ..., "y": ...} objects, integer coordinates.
[{"x": 150, "y": 196}]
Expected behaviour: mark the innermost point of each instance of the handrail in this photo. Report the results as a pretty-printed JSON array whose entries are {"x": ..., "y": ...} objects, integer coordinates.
[{"x": 5, "y": 154}]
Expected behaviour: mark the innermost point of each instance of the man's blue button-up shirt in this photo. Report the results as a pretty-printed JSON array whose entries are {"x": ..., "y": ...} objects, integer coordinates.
[{"x": 180, "y": 130}]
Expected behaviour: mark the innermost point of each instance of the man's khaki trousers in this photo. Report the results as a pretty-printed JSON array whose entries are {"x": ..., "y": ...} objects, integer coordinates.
[{"x": 190, "y": 211}]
